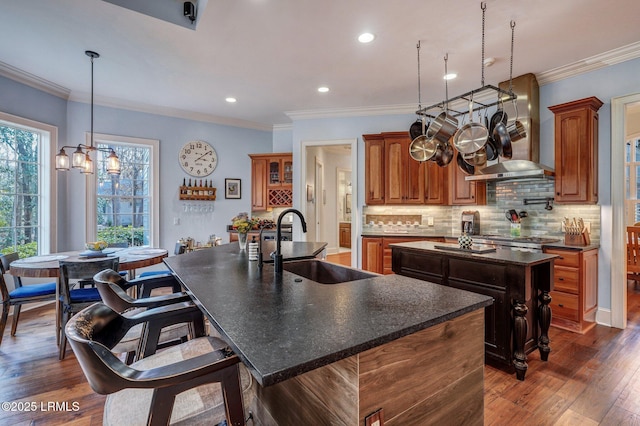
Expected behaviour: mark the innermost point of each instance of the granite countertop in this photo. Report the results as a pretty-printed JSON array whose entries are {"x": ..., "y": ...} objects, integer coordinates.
[
  {"x": 292, "y": 250},
  {"x": 283, "y": 326},
  {"x": 500, "y": 255}
]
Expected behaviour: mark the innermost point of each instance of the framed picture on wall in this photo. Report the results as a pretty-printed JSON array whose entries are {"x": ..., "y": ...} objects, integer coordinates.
[{"x": 232, "y": 188}]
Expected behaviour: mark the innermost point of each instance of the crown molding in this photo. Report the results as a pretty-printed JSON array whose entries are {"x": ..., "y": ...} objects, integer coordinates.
[
  {"x": 34, "y": 81},
  {"x": 351, "y": 112},
  {"x": 612, "y": 57},
  {"x": 282, "y": 127}
]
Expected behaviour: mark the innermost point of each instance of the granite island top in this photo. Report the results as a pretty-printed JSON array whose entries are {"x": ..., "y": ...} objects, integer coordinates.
[
  {"x": 283, "y": 326},
  {"x": 500, "y": 255}
]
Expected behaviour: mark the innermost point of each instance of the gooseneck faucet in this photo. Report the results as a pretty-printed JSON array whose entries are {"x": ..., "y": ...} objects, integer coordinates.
[{"x": 277, "y": 256}]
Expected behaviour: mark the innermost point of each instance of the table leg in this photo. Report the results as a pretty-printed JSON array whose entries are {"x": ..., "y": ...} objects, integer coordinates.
[
  {"x": 58, "y": 311},
  {"x": 519, "y": 336},
  {"x": 545, "y": 321}
]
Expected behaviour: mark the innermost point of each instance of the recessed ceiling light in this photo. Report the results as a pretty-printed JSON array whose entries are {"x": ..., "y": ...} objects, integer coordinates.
[
  {"x": 323, "y": 89},
  {"x": 450, "y": 76},
  {"x": 231, "y": 100},
  {"x": 366, "y": 38}
]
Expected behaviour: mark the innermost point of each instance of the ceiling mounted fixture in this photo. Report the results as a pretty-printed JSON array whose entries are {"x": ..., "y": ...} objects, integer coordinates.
[
  {"x": 450, "y": 76},
  {"x": 366, "y": 38},
  {"x": 81, "y": 158},
  {"x": 323, "y": 89},
  {"x": 489, "y": 61}
]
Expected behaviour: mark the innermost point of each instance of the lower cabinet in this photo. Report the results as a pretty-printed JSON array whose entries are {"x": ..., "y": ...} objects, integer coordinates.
[
  {"x": 344, "y": 234},
  {"x": 376, "y": 251},
  {"x": 574, "y": 299}
]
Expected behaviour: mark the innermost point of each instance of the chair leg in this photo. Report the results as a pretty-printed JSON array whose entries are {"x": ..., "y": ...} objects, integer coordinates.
[
  {"x": 16, "y": 317},
  {"x": 3, "y": 319},
  {"x": 161, "y": 406},
  {"x": 58, "y": 322},
  {"x": 233, "y": 396},
  {"x": 63, "y": 337}
]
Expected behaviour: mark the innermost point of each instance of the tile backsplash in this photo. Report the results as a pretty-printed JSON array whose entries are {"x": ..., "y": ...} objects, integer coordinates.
[{"x": 502, "y": 196}]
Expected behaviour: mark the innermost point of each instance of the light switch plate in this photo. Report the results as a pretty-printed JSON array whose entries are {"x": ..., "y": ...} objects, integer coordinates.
[{"x": 430, "y": 221}]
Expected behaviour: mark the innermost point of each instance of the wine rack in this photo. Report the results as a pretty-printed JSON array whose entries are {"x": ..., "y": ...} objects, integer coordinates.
[{"x": 201, "y": 193}]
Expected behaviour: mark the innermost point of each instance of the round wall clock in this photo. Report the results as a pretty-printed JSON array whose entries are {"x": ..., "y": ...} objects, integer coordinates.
[{"x": 198, "y": 158}]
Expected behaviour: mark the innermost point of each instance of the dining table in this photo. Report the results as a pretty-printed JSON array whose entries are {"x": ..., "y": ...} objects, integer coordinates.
[{"x": 48, "y": 265}]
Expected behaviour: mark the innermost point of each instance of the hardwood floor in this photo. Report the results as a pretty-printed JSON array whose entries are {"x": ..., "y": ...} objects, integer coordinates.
[
  {"x": 589, "y": 379},
  {"x": 343, "y": 258}
]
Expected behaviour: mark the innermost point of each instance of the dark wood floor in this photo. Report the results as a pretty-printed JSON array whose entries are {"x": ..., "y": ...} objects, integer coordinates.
[{"x": 589, "y": 379}]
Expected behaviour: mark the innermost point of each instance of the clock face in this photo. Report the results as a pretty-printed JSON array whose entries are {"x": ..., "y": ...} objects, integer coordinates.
[{"x": 198, "y": 158}]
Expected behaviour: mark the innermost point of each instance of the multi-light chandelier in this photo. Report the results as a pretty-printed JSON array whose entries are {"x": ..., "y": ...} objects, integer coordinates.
[{"x": 80, "y": 159}]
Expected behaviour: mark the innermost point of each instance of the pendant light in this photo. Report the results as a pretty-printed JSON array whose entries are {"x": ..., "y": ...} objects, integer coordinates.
[{"x": 81, "y": 159}]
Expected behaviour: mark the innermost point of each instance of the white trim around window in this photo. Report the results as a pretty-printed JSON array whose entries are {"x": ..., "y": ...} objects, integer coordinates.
[{"x": 91, "y": 218}]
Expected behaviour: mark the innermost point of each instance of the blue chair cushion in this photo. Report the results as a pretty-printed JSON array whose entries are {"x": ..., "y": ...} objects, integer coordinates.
[
  {"x": 154, "y": 273},
  {"x": 33, "y": 290},
  {"x": 89, "y": 294}
]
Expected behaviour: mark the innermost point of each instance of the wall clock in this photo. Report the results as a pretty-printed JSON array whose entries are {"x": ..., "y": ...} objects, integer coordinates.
[{"x": 198, "y": 158}]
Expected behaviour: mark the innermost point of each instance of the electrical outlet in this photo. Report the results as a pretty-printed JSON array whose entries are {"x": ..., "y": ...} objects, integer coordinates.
[
  {"x": 430, "y": 221},
  {"x": 176, "y": 221},
  {"x": 375, "y": 419}
]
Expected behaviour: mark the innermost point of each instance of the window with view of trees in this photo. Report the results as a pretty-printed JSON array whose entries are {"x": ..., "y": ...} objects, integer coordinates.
[
  {"x": 24, "y": 187},
  {"x": 123, "y": 204}
]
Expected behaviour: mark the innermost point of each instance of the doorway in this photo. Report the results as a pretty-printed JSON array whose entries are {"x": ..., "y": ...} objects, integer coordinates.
[
  {"x": 332, "y": 154},
  {"x": 620, "y": 119}
]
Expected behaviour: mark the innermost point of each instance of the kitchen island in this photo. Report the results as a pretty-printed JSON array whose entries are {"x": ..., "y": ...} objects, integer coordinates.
[
  {"x": 520, "y": 282},
  {"x": 335, "y": 353}
]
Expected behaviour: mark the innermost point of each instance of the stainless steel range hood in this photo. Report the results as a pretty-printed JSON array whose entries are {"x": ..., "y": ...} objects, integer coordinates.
[{"x": 513, "y": 169}]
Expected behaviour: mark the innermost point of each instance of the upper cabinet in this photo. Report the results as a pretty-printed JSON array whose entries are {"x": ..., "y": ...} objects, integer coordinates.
[
  {"x": 464, "y": 192},
  {"x": 393, "y": 177},
  {"x": 576, "y": 151},
  {"x": 271, "y": 180}
]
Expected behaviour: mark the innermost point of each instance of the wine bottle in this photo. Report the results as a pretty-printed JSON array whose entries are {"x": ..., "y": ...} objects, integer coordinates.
[{"x": 189, "y": 188}]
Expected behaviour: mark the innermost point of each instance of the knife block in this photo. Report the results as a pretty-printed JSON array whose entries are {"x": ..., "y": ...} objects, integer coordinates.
[{"x": 577, "y": 239}]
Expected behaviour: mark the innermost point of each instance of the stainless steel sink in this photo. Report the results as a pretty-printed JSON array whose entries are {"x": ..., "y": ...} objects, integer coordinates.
[{"x": 325, "y": 272}]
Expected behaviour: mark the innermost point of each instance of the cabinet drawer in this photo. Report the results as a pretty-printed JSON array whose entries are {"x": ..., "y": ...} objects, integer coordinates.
[
  {"x": 567, "y": 257},
  {"x": 566, "y": 279},
  {"x": 564, "y": 305}
]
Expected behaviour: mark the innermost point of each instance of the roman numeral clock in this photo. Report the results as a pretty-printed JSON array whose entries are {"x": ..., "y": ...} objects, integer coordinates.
[{"x": 198, "y": 158}]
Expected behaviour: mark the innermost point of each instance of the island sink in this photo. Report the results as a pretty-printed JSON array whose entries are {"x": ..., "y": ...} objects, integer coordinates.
[{"x": 325, "y": 272}]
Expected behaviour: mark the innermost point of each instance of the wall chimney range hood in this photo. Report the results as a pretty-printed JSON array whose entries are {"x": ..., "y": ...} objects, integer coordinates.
[{"x": 513, "y": 169}]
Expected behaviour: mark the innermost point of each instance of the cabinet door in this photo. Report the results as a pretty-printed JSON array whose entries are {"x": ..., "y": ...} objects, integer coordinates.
[
  {"x": 286, "y": 164},
  {"x": 436, "y": 183},
  {"x": 275, "y": 173},
  {"x": 345, "y": 235},
  {"x": 372, "y": 254},
  {"x": 374, "y": 169},
  {"x": 576, "y": 148},
  {"x": 404, "y": 183},
  {"x": 465, "y": 192},
  {"x": 259, "y": 184}
]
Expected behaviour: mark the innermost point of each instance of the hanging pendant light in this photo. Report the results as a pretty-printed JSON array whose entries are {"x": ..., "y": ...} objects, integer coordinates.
[{"x": 81, "y": 159}]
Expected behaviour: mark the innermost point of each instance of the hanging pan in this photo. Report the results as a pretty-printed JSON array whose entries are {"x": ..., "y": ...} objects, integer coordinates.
[
  {"x": 465, "y": 167},
  {"x": 421, "y": 148},
  {"x": 472, "y": 136},
  {"x": 444, "y": 154}
]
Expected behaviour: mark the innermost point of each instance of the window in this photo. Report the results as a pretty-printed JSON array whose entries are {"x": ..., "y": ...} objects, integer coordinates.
[
  {"x": 632, "y": 180},
  {"x": 27, "y": 196},
  {"x": 124, "y": 208}
]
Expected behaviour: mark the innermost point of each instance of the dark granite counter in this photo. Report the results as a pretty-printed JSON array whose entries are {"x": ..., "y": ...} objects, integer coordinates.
[
  {"x": 501, "y": 255},
  {"x": 284, "y": 326}
]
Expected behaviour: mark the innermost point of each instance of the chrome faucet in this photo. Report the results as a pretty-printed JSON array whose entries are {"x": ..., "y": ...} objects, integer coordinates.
[{"x": 277, "y": 255}]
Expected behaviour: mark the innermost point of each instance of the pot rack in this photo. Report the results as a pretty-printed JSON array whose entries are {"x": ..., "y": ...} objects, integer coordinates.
[{"x": 485, "y": 92}]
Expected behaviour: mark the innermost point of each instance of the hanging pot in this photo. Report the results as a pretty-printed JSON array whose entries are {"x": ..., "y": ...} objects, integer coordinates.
[
  {"x": 497, "y": 117},
  {"x": 492, "y": 149},
  {"x": 472, "y": 136},
  {"x": 465, "y": 167},
  {"x": 442, "y": 127},
  {"x": 478, "y": 158},
  {"x": 415, "y": 129},
  {"x": 516, "y": 131},
  {"x": 444, "y": 154}
]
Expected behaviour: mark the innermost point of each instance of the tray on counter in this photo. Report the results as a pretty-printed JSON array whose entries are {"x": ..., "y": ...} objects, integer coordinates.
[{"x": 471, "y": 250}]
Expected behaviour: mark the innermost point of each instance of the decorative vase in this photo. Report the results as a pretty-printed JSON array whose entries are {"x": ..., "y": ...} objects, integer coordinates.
[
  {"x": 465, "y": 241},
  {"x": 242, "y": 241}
]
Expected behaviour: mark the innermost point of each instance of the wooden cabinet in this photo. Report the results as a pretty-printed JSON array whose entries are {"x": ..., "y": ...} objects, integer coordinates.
[
  {"x": 374, "y": 169},
  {"x": 344, "y": 234},
  {"x": 372, "y": 254},
  {"x": 574, "y": 299},
  {"x": 393, "y": 177},
  {"x": 271, "y": 180},
  {"x": 576, "y": 151},
  {"x": 463, "y": 192},
  {"x": 376, "y": 252}
]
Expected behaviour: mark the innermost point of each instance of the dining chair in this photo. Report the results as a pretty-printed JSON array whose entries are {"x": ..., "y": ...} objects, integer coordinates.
[
  {"x": 72, "y": 300},
  {"x": 22, "y": 294},
  {"x": 197, "y": 380},
  {"x": 112, "y": 288},
  {"x": 633, "y": 253},
  {"x": 180, "y": 248}
]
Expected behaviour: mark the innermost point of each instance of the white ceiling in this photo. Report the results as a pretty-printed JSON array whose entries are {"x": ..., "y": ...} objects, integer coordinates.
[{"x": 273, "y": 54}]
